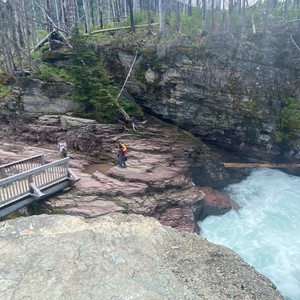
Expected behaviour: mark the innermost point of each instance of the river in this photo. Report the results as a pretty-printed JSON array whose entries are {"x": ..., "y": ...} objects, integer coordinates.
[{"x": 265, "y": 231}]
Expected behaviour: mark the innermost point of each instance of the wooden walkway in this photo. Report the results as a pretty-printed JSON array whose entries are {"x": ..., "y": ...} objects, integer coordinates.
[{"x": 28, "y": 180}]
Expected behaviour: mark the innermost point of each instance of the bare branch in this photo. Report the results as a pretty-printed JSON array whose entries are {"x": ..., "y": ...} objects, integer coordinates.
[
  {"x": 294, "y": 42},
  {"x": 130, "y": 70}
]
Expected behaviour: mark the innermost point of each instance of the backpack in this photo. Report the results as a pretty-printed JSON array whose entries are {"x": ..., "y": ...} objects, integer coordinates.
[{"x": 124, "y": 147}]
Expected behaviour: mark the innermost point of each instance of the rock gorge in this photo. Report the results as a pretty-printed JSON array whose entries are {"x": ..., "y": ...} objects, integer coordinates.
[{"x": 227, "y": 92}]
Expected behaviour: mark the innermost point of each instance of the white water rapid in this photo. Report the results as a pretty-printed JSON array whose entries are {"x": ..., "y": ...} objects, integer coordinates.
[{"x": 265, "y": 231}]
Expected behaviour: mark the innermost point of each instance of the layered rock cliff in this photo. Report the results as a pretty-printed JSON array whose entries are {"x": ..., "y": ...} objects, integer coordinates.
[{"x": 228, "y": 91}]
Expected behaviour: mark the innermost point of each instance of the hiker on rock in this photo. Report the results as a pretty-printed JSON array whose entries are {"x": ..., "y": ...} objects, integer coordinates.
[
  {"x": 62, "y": 146},
  {"x": 117, "y": 152},
  {"x": 122, "y": 155}
]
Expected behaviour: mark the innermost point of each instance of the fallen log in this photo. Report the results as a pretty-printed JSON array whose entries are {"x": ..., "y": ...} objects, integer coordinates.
[
  {"x": 260, "y": 165},
  {"x": 119, "y": 28}
]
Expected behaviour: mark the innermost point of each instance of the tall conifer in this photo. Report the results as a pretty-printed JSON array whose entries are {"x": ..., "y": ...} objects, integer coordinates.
[{"x": 93, "y": 89}]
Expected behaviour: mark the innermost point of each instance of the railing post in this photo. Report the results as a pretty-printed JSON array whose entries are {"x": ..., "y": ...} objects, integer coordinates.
[{"x": 2, "y": 173}]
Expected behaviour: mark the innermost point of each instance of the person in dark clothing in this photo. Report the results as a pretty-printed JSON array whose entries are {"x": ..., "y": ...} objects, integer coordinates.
[{"x": 122, "y": 155}]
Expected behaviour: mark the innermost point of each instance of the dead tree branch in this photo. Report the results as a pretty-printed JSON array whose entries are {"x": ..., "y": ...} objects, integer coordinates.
[
  {"x": 294, "y": 42},
  {"x": 126, "y": 116},
  {"x": 53, "y": 23}
]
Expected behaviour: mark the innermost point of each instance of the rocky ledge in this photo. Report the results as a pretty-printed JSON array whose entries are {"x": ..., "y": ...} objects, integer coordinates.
[
  {"x": 119, "y": 257},
  {"x": 159, "y": 180}
]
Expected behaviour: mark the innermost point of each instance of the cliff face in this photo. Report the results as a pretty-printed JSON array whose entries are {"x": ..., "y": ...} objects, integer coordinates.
[{"x": 227, "y": 91}]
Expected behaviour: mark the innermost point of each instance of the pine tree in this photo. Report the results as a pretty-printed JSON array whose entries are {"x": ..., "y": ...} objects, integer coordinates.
[{"x": 93, "y": 89}]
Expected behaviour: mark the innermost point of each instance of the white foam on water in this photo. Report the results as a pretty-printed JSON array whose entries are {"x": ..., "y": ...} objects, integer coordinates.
[{"x": 265, "y": 230}]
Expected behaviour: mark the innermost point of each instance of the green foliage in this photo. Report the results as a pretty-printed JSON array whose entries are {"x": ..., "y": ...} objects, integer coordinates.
[
  {"x": 4, "y": 91},
  {"x": 5, "y": 80},
  {"x": 140, "y": 17},
  {"x": 52, "y": 73},
  {"x": 93, "y": 89},
  {"x": 189, "y": 25},
  {"x": 278, "y": 137},
  {"x": 290, "y": 114},
  {"x": 131, "y": 108},
  {"x": 41, "y": 33},
  {"x": 289, "y": 119}
]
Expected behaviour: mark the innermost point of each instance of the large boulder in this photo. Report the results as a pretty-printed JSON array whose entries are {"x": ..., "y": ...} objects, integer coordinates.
[{"x": 119, "y": 257}]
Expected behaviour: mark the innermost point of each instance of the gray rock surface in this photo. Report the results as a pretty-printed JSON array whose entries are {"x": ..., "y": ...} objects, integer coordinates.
[
  {"x": 42, "y": 98},
  {"x": 119, "y": 257}
]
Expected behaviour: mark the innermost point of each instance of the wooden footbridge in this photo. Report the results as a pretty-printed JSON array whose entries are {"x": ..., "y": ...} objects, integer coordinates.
[{"x": 28, "y": 180}]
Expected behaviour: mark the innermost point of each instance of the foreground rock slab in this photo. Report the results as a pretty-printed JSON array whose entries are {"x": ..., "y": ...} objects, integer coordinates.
[{"x": 119, "y": 257}]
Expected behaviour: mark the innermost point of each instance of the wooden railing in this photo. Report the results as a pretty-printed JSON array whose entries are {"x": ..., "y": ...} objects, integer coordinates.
[
  {"x": 33, "y": 182},
  {"x": 21, "y": 166}
]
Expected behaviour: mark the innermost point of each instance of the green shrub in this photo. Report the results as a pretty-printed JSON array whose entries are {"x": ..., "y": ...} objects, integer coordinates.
[
  {"x": 52, "y": 73},
  {"x": 131, "y": 107},
  {"x": 93, "y": 89},
  {"x": 4, "y": 91}
]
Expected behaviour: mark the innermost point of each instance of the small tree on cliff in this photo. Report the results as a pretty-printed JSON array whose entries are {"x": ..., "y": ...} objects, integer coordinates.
[{"x": 93, "y": 89}]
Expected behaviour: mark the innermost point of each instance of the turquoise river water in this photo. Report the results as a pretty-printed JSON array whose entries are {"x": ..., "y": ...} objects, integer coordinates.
[{"x": 265, "y": 231}]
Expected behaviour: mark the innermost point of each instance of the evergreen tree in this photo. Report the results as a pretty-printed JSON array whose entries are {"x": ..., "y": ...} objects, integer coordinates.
[{"x": 93, "y": 89}]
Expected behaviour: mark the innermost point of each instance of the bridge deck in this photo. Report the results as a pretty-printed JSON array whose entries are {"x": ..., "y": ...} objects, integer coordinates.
[{"x": 39, "y": 182}]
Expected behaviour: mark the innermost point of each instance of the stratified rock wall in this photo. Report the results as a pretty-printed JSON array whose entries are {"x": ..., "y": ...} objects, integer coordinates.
[
  {"x": 119, "y": 257},
  {"x": 227, "y": 91}
]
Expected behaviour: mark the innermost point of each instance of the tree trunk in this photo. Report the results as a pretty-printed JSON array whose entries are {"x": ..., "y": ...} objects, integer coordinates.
[
  {"x": 149, "y": 17},
  {"x": 162, "y": 18},
  {"x": 178, "y": 16},
  {"x": 266, "y": 17},
  {"x": 86, "y": 16},
  {"x": 48, "y": 13},
  {"x": 27, "y": 32},
  {"x": 212, "y": 15},
  {"x": 130, "y": 7},
  {"x": 203, "y": 14},
  {"x": 16, "y": 47},
  {"x": 190, "y": 8},
  {"x": 8, "y": 57}
]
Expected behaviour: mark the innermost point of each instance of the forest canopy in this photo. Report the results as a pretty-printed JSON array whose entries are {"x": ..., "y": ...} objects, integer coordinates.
[
  {"x": 25, "y": 23},
  {"x": 27, "y": 26}
]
